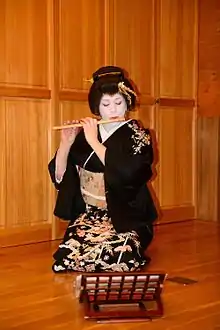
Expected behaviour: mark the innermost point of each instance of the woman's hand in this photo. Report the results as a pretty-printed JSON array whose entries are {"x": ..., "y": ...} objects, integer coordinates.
[
  {"x": 91, "y": 134},
  {"x": 68, "y": 135},
  {"x": 90, "y": 130}
]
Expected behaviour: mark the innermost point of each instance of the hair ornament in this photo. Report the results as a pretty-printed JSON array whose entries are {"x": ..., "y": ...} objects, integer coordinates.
[
  {"x": 91, "y": 80},
  {"x": 126, "y": 90}
]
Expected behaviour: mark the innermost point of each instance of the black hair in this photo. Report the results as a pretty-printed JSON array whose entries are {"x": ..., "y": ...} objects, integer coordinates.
[{"x": 105, "y": 81}]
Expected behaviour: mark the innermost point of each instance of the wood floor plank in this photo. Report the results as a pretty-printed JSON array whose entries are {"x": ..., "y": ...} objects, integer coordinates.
[{"x": 33, "y": 298}]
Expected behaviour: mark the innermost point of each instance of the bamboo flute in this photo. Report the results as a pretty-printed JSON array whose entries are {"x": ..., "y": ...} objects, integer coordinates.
[{"x": 119, "y": 119}]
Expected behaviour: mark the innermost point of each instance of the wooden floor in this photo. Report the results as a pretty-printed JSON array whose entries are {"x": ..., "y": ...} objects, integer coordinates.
[{"x": 33, "y": 298}]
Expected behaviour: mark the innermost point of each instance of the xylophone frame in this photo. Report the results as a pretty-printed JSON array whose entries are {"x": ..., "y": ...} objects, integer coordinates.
[{"x": 109, "y": 296}]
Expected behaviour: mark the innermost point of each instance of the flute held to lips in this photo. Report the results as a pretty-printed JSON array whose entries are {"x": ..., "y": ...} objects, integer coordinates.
[{"x": 117, "y": 119}]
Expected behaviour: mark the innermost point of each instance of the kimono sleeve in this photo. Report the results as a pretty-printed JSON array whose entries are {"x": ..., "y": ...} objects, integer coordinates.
[
  {"x": 130, "y": 164},
  {"x": 51, "y": 169},
  {"x": 69, "y": 202},
  {"x": 73, "y": 159}
]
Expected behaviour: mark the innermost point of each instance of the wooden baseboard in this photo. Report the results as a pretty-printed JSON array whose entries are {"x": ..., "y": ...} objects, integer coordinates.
[
  {"x": 176, "y": 214},
  {"x": 25, "y": 235}
]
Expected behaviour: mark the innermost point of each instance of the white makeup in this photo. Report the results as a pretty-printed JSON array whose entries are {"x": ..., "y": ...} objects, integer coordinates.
[{"x": 112, "y": 106}]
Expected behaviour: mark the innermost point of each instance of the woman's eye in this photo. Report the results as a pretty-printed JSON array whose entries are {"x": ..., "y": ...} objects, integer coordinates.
[
  {"x": 105, "y": 105},
  {"x": 118, "y": 103}
]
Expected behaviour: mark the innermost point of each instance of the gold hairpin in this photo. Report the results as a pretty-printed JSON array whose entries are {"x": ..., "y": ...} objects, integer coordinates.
[
  {"x": 126, "y": 90},
  {"x": 89, "y": 80},
  {"x": 117, "y": 73}
]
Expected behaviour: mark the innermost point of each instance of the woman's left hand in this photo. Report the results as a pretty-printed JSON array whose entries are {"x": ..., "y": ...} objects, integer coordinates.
[{"x": 90, "y": 130}]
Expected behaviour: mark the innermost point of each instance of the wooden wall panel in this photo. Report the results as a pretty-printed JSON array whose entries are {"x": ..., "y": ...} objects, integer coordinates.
[
  {"x": 208, "y": 187},
  {"x": 133, "y": 41},
  {"x": 176, "y": 49},
  {"x": 208, "y": 135},
  {"x": 175, "y": 168},
  {"x": 27, "y": 158},
  {"x": 177, "y": 43},
  {"x": 144, "y": 113},
  {"x": 73, "y": 110},
  {"x": 23, "y": 43},
  {"x": 209, "y": 54},
  {"x": 82, "y": 42},
  {"x": 2, "y": 165}
]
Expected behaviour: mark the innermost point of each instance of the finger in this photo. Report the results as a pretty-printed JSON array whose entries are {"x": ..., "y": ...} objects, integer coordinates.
[
  {"x": 75, "y": 121},
  {"x": 95, "y": 121},
  {"x": 85, "y": 121},
  {"x": 92, "y": 122},
  {"x": 85, "y": 125},
  {"x": 86, "y": 118}
]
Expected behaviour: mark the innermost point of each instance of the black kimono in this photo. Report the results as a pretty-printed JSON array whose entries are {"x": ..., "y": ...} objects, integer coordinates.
[{"x": 109, "y": 206}]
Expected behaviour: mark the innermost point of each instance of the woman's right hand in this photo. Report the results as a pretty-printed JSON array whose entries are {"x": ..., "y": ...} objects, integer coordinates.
[{"x": 68, "y": 135}]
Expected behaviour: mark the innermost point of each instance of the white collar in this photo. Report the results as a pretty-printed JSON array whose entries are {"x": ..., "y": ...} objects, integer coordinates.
[{"x": 106, "y": 134}]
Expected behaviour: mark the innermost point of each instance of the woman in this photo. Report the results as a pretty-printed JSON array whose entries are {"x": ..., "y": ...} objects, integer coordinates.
[{"x": 100, "y": 173}]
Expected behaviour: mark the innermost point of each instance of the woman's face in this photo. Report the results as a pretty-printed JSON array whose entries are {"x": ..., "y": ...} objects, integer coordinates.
[{"x": 112, "y": 106}]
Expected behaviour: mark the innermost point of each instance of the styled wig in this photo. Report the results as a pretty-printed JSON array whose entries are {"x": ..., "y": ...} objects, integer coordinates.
[{"x": 110, "y": 80}]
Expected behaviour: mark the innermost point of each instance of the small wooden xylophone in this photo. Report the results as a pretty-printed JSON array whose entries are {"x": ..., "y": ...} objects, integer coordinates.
[{"x": 121, "y": 296}]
